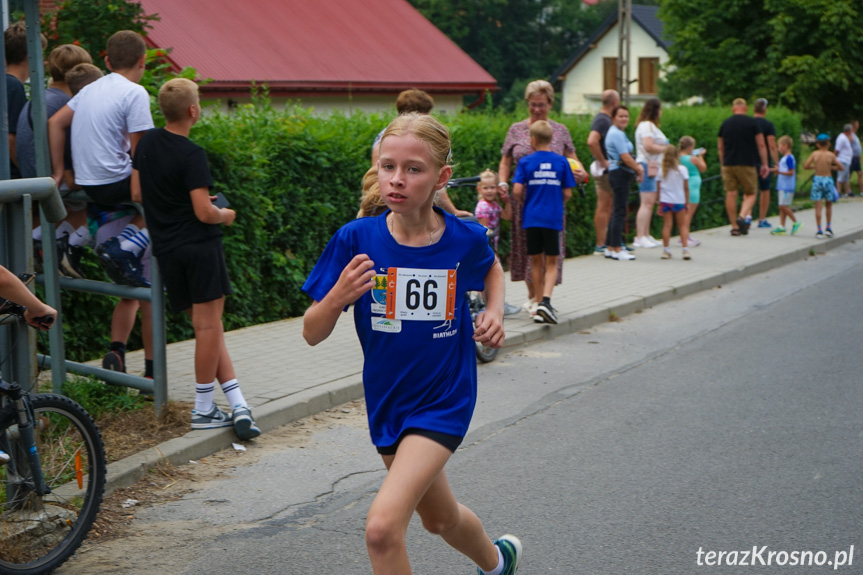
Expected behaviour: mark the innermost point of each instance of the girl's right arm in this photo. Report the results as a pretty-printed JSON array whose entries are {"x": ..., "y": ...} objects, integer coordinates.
[
  {"x": 699, "y": 163},
  {"x": 356, "y": 279}
]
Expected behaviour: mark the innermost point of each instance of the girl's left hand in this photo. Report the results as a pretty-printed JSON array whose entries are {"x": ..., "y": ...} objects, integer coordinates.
[{"x": 489, "y": 328}]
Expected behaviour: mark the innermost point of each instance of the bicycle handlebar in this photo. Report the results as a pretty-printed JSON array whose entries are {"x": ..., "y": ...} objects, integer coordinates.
[{"x": 462, "y": 182}]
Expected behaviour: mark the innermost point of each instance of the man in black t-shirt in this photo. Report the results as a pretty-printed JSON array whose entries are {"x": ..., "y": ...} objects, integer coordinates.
[
  {"x": 764, "y": 184},
  {"x": 741, "y": 146},
  {"x": 596, "y": 143},
  {"x": 174, "y": 180}
]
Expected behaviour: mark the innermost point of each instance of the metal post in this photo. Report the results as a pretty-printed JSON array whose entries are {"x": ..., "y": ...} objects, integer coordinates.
[
  {"x": 43, "y": 169},
  {"x": 624, "y": 23}
]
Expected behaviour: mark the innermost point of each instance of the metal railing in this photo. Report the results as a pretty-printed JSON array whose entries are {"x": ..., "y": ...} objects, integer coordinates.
[{"x": 16, "y": 217}]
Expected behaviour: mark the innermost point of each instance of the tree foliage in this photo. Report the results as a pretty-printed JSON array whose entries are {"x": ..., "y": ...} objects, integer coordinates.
[
  {"x": 806, "y": 54},
  {"x": 516, "y": 40}
]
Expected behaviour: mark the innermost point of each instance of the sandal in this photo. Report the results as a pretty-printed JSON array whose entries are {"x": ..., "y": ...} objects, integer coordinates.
[{"x": 735, "y": 232}]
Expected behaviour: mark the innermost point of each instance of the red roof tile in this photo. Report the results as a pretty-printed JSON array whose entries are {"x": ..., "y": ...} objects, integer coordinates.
[{"x": 313, "y": 45}]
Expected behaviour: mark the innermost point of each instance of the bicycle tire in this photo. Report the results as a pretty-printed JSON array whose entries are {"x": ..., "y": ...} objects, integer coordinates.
[
  {"x": 485, "y": 354},
  {"x": 38, "y": 534}
]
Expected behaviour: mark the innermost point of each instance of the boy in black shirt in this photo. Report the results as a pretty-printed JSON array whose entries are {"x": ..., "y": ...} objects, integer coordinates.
[{"x": 184, "y": 223}]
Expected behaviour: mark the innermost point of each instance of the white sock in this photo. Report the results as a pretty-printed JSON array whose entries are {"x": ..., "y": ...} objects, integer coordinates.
[
  {"x": 137, "y": 243},
  {"x": 499, "y": 569},
  {"x": 37, "y": 233},
  {"x": 65, "y": 228},
  {"x": 80, "y": 237},
  {"x": 233, "y": 394},
  {"x": 204, "y": 393}
]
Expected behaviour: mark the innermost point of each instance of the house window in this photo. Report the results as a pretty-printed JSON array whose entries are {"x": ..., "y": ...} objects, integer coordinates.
[
  {"x": 609, "y": 73},
  {"x": 648, "y": 74}
]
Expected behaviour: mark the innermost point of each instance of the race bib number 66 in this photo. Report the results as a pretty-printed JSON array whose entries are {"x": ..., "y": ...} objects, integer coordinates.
[{"x": 420, "y": 295}]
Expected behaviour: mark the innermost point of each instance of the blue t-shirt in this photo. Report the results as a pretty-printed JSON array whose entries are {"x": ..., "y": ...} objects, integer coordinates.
[
  {"x": 419, "y": 368},
  {"x": 544, "y": 176},
  {"x": 616, "y": 144},
  {"x": 787, "y": 183}
]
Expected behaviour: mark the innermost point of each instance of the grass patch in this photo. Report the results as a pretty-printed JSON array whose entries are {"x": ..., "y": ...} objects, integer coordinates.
[
  {"x": 127, "y": 420},
  {"x": 100, "y": 398}
]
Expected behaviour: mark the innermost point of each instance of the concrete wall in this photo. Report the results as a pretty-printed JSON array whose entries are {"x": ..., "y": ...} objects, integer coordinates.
[
  {"x": 324, "y": 105},
  {"x": 582, "y": 87}
]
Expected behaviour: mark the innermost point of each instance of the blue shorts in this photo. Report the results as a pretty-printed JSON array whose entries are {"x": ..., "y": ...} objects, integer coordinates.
[
  {"x": 785, "y": 198},
  {"x": 665, "y": 207},
  {"x": 855, "y": 164},
  {"x": 647, "y": 184},
  {"x": 822, "y": 189}
]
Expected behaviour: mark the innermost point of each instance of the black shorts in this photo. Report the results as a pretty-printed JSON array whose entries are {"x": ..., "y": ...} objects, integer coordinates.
[
  {"x": 855, "y": 164},
  {"x": 451, "y": 442},
  {"x": 111, "y": 194},
  {"x": 195, "y": 273},
  {"x": 543, "y": 241},
  {"x": 764, "y": 183}
]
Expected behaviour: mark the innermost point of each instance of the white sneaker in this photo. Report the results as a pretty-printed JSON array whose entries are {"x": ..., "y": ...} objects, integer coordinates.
[
  {"x": 646, "y": 242},
  {"x": 653, "y": 240},
  {"x": 526, "y": 305},
  {"x": 623, "y": 255}
]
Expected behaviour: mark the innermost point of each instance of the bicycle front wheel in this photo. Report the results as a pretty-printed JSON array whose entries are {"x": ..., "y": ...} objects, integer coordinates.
[{"x": 39, "y": 532}]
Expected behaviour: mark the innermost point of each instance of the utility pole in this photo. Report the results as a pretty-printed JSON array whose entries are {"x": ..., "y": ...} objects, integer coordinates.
[{"x": 624, "y": 23}]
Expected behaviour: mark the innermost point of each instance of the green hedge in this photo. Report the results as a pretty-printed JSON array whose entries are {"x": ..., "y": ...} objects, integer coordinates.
[{"x": 295, "y": 178}]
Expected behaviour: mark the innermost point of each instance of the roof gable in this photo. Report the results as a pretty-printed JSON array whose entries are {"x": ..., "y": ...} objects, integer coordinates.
[
  {"x": 644, "y": 16},
  {"x": 297, "y": 44}
]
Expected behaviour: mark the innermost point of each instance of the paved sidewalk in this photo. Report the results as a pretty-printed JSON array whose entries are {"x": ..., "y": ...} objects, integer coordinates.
[{"x": 284, "y": 379}]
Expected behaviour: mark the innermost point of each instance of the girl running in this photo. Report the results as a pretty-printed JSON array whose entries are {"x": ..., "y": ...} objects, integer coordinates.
[{"x": 407, "y": 274}]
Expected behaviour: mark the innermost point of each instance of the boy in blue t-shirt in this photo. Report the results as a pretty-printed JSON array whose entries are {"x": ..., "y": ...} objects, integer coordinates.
[
  {"x": 786, "y": 184},
  {"x": 544, "y": 182}
]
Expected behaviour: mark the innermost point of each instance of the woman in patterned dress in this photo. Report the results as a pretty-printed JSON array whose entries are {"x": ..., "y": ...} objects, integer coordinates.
[{"x": 540, "y": 96}]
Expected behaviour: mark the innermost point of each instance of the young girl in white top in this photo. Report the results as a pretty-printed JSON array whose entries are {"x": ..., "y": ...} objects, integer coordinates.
[{"x": 672, "y": 181}]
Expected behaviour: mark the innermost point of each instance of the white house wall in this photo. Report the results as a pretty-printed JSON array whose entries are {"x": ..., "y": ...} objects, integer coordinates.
[{"x": 582, "y": 87}]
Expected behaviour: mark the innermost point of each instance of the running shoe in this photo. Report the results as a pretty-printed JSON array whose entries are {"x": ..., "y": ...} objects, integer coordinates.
[
  {"x": 511, "y": 551},
  {"x": 212, "y": 419},
  {"x": 828, "y": 232},
  {"x": 244, "y": 424},
  {"x": 743, "y": 225},
  {"x": 819, "y": 235},
  {"x": 764, "y": 224},
  {"x": 547, "y": 312},
  {"x": 4, "y": 457},
  {"x": 686, "y": 255},
  {"x": 70, "y": 258},
  {"x": 666, "y": 255},
  {"x": 778, "y": 231},
  {"x": 795, "y": 227},
  {"x": 509, "y": 309},
  {"x": 122, "y": 267},
  {"x": 115, "y": 361},
  {"x": 598, "y": 250},
  {"x": 538, "y": 319}
]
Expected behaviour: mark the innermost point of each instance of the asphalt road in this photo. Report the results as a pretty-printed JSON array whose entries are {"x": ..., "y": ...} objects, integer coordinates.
[{"x": 727, "y": 421}]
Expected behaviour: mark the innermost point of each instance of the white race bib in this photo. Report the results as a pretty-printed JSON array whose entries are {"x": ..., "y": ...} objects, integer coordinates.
[{"x": 420, "y": 295}]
